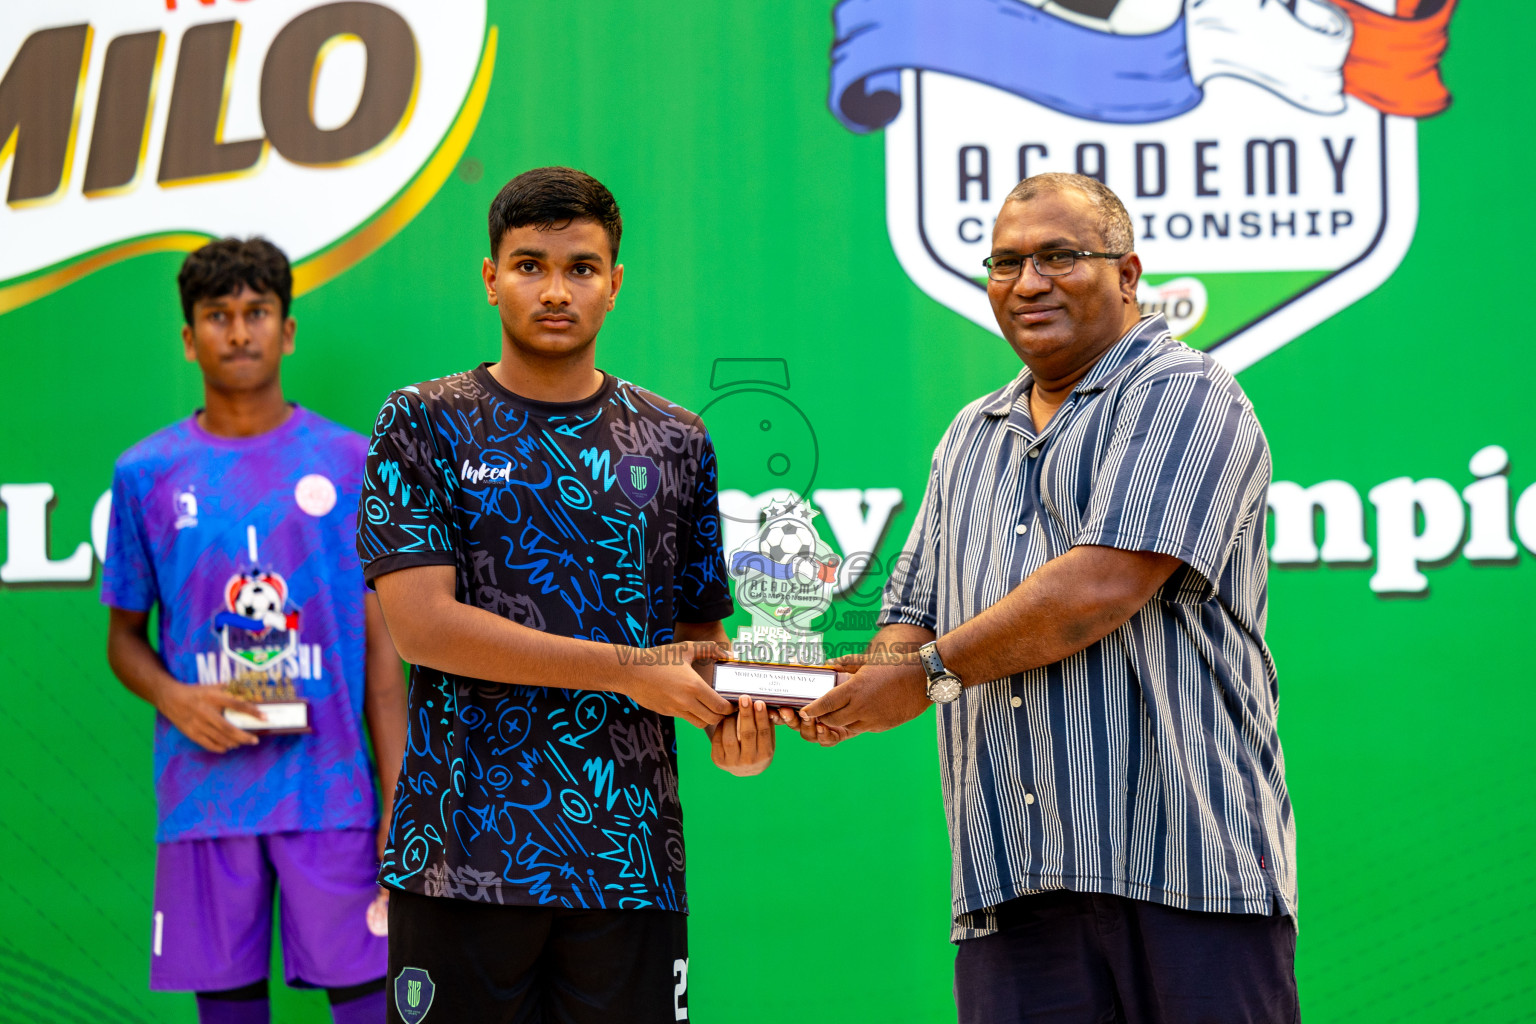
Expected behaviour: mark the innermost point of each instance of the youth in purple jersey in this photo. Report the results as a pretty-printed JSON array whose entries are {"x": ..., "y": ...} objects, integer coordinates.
[
  {"x": 236, "y": 525},
  {"x": 247, "y": 534}
]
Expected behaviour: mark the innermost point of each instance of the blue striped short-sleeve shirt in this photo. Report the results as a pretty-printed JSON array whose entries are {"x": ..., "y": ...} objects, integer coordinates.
[{"x": 1147, "y": 765}]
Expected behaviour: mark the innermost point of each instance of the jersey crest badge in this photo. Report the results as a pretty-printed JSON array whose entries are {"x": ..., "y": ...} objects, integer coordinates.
[
  {"x": 639, "y": 478},
  {"x": 185, "y": 503},
  {"x": 1265, "y": 149}
]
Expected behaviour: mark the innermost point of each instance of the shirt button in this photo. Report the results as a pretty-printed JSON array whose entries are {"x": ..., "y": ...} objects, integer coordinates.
[
  {"x": 1034, "y": 453},
  {"x": 1029, "y": 798},
  {"x": 1021, "y": 529},
  {"x": 1017, "y": 702}
]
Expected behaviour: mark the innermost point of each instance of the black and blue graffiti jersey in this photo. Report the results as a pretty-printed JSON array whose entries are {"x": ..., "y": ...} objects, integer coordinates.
[{"x": 595, "y": 519}]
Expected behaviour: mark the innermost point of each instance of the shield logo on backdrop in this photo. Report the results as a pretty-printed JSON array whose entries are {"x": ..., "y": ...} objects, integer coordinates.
[
  {"x": 1265, "y": 149},
  {"x": 413, "y": 994},
  {"x": 639, "y": 478}
]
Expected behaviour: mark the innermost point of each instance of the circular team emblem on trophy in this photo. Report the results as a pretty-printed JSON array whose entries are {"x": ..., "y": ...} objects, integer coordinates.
[
  {"x": 255, "y": 629},
  {"x": 784, "y": 576},
  {"x": 258, "y": 631}
]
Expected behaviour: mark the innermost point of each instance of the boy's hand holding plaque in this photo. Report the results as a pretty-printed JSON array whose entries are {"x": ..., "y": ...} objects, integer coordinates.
[
  {"x": 259, "y": 633},
  {"x": 282, "y": 710}
]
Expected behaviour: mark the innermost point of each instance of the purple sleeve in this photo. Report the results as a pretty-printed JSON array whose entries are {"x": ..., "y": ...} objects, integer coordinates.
[{"x": 128, "y": 573}]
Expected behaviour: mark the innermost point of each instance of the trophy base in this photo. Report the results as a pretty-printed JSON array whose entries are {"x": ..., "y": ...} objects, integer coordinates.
[
  {"x": 778, "y": 686},
  {"x": 279, "y": 717}
]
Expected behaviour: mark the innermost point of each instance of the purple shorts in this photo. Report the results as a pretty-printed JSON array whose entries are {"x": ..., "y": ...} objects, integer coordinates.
[{"x": 213, "y": 910}]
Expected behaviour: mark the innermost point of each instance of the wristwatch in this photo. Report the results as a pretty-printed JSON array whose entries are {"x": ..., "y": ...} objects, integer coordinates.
[{"x": 943, "y": 685}]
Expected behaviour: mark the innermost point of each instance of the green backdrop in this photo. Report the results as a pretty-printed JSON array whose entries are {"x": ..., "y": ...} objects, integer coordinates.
[{"x": 755, "y": 226}]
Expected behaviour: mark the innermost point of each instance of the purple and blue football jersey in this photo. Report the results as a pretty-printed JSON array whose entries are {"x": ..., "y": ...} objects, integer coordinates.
[{"x": 247, "y": 548}]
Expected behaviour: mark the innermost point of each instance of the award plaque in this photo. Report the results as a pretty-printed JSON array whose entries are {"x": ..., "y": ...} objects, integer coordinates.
[
  {"x": 783, "y": 577},
  {"x": 258, "y": 631},
  {"x": 778, "y": 686},
  {"x": 282, "y": 710}
]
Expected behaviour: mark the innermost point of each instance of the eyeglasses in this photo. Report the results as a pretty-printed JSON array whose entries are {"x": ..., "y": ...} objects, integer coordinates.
[{"x": 1048, "y": 262}]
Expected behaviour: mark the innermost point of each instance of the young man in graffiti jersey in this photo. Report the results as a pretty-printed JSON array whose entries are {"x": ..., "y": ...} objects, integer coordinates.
[
  {"x": 237, "y": 523},
  {"x": 545, "y": 543}
]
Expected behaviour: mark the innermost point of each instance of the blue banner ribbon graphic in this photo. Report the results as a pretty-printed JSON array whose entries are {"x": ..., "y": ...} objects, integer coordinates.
[
  {"x": 228, "y": 620},
  {"x": 1009, "y": 45},
  {"x": 747, "y": 560}
]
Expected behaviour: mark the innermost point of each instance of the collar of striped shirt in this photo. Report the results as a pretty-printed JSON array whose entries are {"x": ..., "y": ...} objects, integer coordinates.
[{"x": 1120, "y": 358}]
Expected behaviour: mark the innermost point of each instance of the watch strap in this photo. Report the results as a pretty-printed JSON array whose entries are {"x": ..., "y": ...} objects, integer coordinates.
[{"x": 928, "y": 655}]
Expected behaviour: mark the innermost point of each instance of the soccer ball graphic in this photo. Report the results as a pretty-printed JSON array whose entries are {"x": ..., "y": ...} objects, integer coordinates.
[
  {"x": 258, "y": 597},
  {"x": 257, "y": 600},
  {"x": 787, "y": 539}
]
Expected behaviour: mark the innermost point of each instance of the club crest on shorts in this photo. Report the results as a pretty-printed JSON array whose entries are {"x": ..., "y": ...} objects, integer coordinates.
[
  {"x": 639, "y": 478},
  {"x": 1266, "y": 151},
  {"x": 413, "y": 994}
]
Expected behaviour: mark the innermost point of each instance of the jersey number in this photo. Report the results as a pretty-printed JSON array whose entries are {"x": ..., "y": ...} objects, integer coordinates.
[{"x": 680, "y": 990}]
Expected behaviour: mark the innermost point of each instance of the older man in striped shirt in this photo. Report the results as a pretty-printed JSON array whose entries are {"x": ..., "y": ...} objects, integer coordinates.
[{"x": 1083, "y": 596}]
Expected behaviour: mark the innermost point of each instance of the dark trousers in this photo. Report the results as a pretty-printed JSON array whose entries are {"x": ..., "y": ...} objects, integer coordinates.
[
  {"x": 459, "y": 962},
  {"x": 1086, "y": 958}
]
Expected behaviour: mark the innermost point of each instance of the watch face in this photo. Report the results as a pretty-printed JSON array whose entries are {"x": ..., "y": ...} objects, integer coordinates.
[{"x": 944, "y": 689}]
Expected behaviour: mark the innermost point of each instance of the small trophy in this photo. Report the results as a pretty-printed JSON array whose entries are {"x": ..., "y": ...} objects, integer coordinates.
[
  {"x": 258, "y": 632},
  {"x": 282, "y": 710},
  {"x": 784, "y": 575}
]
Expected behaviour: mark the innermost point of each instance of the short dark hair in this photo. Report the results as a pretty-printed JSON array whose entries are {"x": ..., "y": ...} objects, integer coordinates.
[
  {"x": 1114, "y": 223},
  {"x": 554, "y": 196},
  {"x": 221, "y": 267}
]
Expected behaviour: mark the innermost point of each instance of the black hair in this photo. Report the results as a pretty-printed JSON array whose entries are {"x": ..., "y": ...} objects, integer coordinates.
[
  {"x": 551, "y": 196},
  {"x": 1114, "y": 223},
  {"x": 221, "y": 267}
]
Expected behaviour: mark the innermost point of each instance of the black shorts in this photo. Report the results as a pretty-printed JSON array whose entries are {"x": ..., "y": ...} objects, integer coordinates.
[
  {"x": 1065, "y": 957},
  {"x": 459, "y": 962}
]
